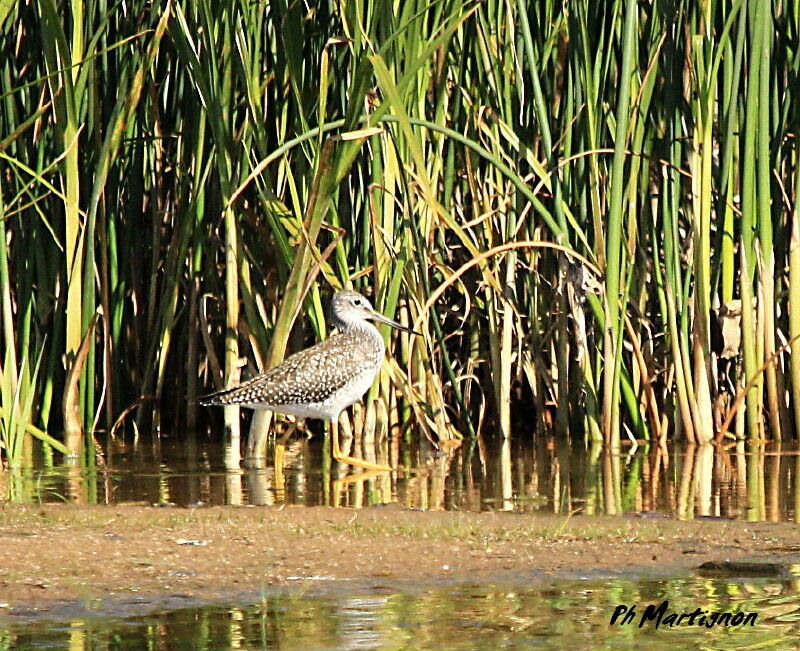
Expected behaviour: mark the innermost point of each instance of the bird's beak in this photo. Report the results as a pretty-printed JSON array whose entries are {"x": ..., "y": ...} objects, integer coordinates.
[{"x": 385, "y": 319}]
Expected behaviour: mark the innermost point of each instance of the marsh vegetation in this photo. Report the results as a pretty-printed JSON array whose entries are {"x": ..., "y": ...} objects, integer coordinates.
[{"x": 590, "y": 209}]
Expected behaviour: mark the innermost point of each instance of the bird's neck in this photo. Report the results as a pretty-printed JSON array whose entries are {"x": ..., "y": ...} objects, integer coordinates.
[
  {"x": 353, "y": 326},
  {"x": 363, "y": 328}
]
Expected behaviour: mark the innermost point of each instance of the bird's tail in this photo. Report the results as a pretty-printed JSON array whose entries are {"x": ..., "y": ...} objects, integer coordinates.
[
  {"x": 242, "y": 395},
  {"x": 213, "y": 399}
]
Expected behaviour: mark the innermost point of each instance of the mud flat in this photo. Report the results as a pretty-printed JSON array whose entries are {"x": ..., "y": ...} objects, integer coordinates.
[{"x": 60, "y": 559}]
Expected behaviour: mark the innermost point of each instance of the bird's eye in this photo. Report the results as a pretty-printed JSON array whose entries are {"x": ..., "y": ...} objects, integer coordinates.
[{"x": 356, "y": 301}]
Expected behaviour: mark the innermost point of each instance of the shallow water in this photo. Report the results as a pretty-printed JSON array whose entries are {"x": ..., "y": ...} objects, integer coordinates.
[
  {"x": 748, "y": 482},
  {"x": 558, "y": 615}
]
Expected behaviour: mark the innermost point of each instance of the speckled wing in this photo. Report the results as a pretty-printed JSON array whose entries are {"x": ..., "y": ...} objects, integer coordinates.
[{"x": 309, "y": 376}]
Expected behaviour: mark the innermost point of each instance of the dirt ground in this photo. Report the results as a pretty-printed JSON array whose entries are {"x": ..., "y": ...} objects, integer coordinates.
[{"x": 57, "y": 559}]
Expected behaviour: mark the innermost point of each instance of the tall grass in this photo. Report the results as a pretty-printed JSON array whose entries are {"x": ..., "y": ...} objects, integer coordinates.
[{"x": 561, "y": 196}]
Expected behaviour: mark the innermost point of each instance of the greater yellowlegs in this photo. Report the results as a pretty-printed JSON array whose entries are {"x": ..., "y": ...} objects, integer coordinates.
[{"x": 322, "y": 381}]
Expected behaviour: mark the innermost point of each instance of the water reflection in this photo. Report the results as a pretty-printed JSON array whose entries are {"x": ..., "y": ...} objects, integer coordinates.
[
  {"x": 558, "y": 615},
  {"x": 742, "y": 481}
]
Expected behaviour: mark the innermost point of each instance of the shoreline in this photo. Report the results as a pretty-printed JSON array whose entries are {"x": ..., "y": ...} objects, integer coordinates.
[{"x": 60, "y": 561}]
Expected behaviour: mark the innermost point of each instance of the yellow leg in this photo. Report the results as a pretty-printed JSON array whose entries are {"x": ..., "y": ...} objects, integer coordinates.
[
  {"x": 362, "y": 476},
  {"x": 359, "y": 463},
  {"x": 339, "y": 485},
  {"x": 280, "y": 453}
]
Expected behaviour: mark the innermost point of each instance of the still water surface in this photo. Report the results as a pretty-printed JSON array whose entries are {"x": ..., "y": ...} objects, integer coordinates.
[
  {"x": 753, "y": 483},
  {"x": 569, "y": 614},
  {"x": 741, "y": 482}
]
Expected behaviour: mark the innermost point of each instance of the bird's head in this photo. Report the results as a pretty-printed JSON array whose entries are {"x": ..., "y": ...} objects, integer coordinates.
[{"x": 349, "y": 308}]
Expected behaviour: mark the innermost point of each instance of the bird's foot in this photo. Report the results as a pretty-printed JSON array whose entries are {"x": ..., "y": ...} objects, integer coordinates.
[{"x": 362, "y": 463}]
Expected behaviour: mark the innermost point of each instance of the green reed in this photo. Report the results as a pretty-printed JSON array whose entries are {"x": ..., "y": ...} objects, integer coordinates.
[{"x": 580, "y": 185}]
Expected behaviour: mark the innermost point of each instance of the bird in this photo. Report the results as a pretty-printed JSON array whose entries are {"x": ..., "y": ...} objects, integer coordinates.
[{"x": 323, "y": 380}]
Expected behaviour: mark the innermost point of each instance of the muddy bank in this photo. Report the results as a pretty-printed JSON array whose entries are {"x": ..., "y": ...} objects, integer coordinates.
[{"x": 60, "y": 559}]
